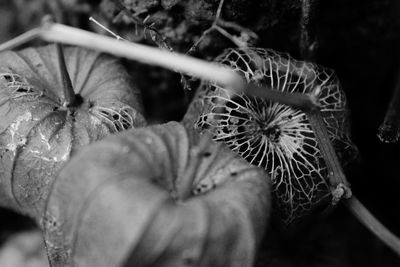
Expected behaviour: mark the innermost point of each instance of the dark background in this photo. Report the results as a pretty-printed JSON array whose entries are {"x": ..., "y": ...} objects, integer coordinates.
[{"x": 359, "y": 39}]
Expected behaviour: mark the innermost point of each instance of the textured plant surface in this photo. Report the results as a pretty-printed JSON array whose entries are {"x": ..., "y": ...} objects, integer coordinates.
[
  {"x": 38, "y": 133},
  {"x": 275, "y": 136},
  {"x": 120, "y": 202},
  {"x": 356, "y": 45}
]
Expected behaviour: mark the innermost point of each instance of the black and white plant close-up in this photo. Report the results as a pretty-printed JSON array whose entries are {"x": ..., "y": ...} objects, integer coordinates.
[{"x": 199, "y": 133}]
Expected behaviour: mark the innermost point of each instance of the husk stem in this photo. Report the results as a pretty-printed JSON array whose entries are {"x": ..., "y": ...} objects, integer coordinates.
[
  {"x": 371, "y": 223},
  {"x": 69, "y": 98},
  {"x": 340, "y": 186}
]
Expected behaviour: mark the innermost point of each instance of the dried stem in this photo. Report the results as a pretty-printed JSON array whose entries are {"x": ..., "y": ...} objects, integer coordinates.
[
  {"x": 219, "y": 25},
  {"x": 337, "y": 179},
  {"x": 369, "y": 221},
  {"x": 210, "y": 29},
  {"x": 340, "y": 186},
  {"x": 145, "y": 54},
  {"x": 224, "y": 76},
  {"x": 69, "y": 99},
  {"x": 389, "y": 130},
  {"x": 69, "y": 94},
  {"x": 21, "y": 39},
  {"x": 173, "y": 61},
  {"x": 106, "y": 29},
  {"x": 158, "y": 38},
  {"x": 295, "y": 100}
]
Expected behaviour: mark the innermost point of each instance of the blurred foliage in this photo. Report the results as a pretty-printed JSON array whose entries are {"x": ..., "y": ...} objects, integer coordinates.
[{"x": 25, "y": 249}]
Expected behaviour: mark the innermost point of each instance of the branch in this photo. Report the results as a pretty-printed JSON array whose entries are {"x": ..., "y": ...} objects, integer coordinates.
[
  {"x": 369, "y": 221},
  {"x": 21, "y": 39},
  {"x": 341, "y": 189},
  {"x": 219, "y": 25},
  {"x": 337, "y": 178},
  {"x": 224, "y": 76}
]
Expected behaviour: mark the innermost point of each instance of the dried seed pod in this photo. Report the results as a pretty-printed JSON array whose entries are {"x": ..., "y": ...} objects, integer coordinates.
[
  {"x": 275, "y": 136},
  {"x": 38, "y": 132},
  {"x": 115, "y": 203}
]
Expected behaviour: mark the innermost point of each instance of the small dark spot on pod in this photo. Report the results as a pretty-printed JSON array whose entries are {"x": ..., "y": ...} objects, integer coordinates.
[{"x": 206, "y": 154}]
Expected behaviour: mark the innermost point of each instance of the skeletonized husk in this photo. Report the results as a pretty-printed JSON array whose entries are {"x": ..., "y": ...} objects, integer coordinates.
[{"x": 275, "y": 136}]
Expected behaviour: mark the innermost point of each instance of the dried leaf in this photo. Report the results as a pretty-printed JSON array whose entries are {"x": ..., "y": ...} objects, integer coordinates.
[
  {"x": 275, "y": 136},
  {"x": 114, "y": 203},
  {"x": 38, "y": 134}
]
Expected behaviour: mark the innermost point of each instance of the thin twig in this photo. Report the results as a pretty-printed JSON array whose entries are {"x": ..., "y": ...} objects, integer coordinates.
[
  {"x": 157, "y": 37},
  {"x": 219, "y": 25},
  {"x": 21, "y": 39},
  {"x": 210, "y": 29},
  {"x": 106, "y": 29},
  {"x": 389, "y": 130},
  {"x": 340, "y": 186},
  {"x": 369, "y": 221}
]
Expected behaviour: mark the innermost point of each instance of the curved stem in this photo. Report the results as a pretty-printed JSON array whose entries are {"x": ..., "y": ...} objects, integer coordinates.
[
  {"x": 339, "y": 183},
  {"x": 375, "y": 226}
]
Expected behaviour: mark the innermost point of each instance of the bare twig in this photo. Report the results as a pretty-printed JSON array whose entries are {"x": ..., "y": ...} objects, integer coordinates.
[
  {"x": 54, "y": 32},
  {"x": 145, "y": 54},
  {"x": 21, "y": 39},
  {"x": 156, "y": 36},
  {"x": 341, "y": 188},
  {"x": 389, "y": 130},
  {"x": 106, "y": 29},
  {"x": 219, "y": 25}
]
